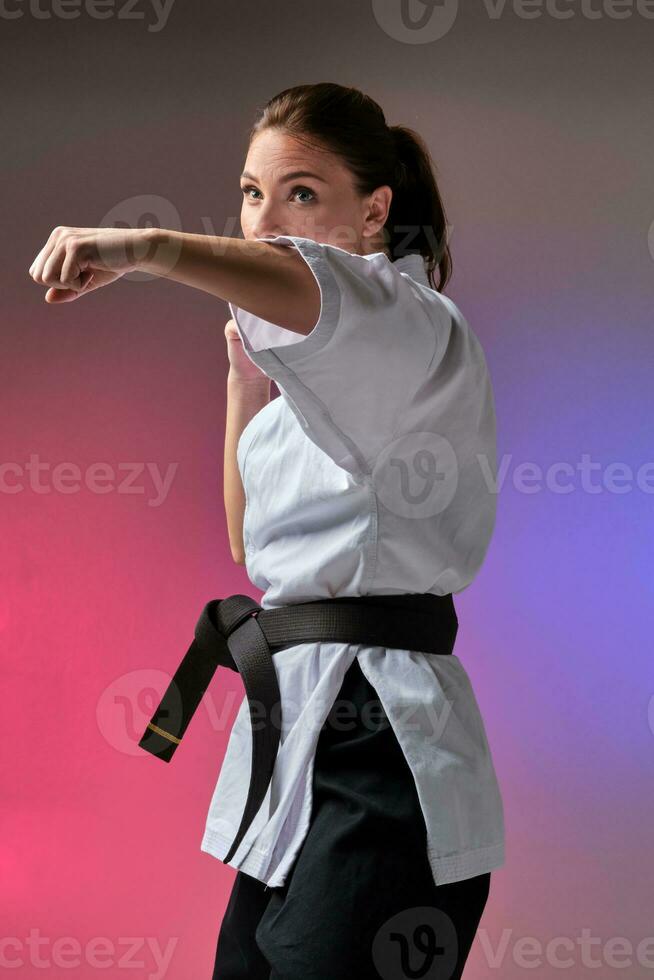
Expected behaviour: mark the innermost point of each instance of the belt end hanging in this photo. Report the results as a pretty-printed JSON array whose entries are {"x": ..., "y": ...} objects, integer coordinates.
[{"x": 158, "y": 742}]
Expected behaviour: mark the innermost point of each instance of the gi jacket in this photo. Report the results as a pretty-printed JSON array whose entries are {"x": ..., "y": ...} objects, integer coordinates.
[{"x": 373, "y": 473}]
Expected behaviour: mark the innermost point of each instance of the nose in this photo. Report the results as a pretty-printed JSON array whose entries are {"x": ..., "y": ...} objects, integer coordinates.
[
  {"x": 268, "y": 231},
  {"x": 265, "y": 224}
]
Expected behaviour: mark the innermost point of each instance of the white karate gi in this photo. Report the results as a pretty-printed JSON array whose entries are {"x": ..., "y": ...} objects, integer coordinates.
[{"x": 372, "y": 474}]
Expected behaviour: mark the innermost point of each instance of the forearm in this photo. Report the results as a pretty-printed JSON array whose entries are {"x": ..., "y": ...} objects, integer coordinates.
[
  {"x": 271, "y": 281},
  {"x": 244, "y": 399}
]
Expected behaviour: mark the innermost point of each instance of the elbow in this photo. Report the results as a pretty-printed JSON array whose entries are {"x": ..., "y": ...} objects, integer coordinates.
[{"x": 238, "y": 556}]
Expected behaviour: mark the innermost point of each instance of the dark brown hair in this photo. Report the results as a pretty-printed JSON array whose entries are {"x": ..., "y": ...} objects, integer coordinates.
[{"x": 353, "y": 126}]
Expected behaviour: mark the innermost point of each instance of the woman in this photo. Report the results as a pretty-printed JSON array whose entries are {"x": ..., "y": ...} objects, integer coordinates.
[{"x": 370, "y": 475}]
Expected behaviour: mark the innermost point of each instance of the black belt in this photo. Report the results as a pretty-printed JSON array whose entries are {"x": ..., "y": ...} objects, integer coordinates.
[{"x": 237, "y": 633}]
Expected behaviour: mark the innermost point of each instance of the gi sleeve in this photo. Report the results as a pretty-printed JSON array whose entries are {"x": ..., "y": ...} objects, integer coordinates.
[{"x": 352, "y": 378}]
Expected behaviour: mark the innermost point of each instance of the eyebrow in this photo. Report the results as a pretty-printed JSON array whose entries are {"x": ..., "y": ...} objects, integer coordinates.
[{"x": 292, "y": 176}]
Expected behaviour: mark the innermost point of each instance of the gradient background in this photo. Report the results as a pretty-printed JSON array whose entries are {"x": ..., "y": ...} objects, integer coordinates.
[{"x": 543, "y": 135}]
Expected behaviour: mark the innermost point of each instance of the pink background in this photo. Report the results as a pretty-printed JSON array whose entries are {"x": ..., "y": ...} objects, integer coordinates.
[{"x": 543, "y": 135}]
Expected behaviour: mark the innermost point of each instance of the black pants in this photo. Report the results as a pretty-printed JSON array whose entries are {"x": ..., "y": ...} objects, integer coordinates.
[{"x": 359, "y": 902}]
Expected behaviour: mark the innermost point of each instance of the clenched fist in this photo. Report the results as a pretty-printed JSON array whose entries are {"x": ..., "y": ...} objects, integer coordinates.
[
  {"x": 75, "y": 261},
  {"x": 240, "y": 366}
]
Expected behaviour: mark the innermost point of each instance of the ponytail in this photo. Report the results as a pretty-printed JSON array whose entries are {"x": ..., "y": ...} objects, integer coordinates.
[{"x": 417, "y": 220}]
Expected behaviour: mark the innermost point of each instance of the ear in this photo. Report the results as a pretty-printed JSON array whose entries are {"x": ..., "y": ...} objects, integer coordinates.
[{"x": 376, "y": 210}]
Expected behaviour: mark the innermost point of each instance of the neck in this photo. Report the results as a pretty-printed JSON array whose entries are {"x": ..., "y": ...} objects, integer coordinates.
[{"x": 375, "y": 244}]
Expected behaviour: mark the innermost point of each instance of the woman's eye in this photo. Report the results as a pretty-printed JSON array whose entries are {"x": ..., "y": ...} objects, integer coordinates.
[
  {"x": 250, "y": 190},
  {"x": 304, "y": 190}
]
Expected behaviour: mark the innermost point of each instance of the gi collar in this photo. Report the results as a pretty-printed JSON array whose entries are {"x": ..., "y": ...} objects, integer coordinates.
[{"x": 414, "y": 265}]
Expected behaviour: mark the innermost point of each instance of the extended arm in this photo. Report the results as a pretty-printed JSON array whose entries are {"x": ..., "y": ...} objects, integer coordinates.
[{"x": 271, "y": 281}]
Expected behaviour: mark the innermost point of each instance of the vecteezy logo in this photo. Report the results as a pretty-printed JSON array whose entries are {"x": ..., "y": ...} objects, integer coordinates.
[
  {"x": 415, "y": 21},
  {"x": 418, "y": 943},
  {"x": 416, "y": 475},
  {"x": 144, "y": 211}
]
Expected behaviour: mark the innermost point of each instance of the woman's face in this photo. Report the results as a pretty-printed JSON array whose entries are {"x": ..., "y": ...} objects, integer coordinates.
[{"x": 292, "y": 189}]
